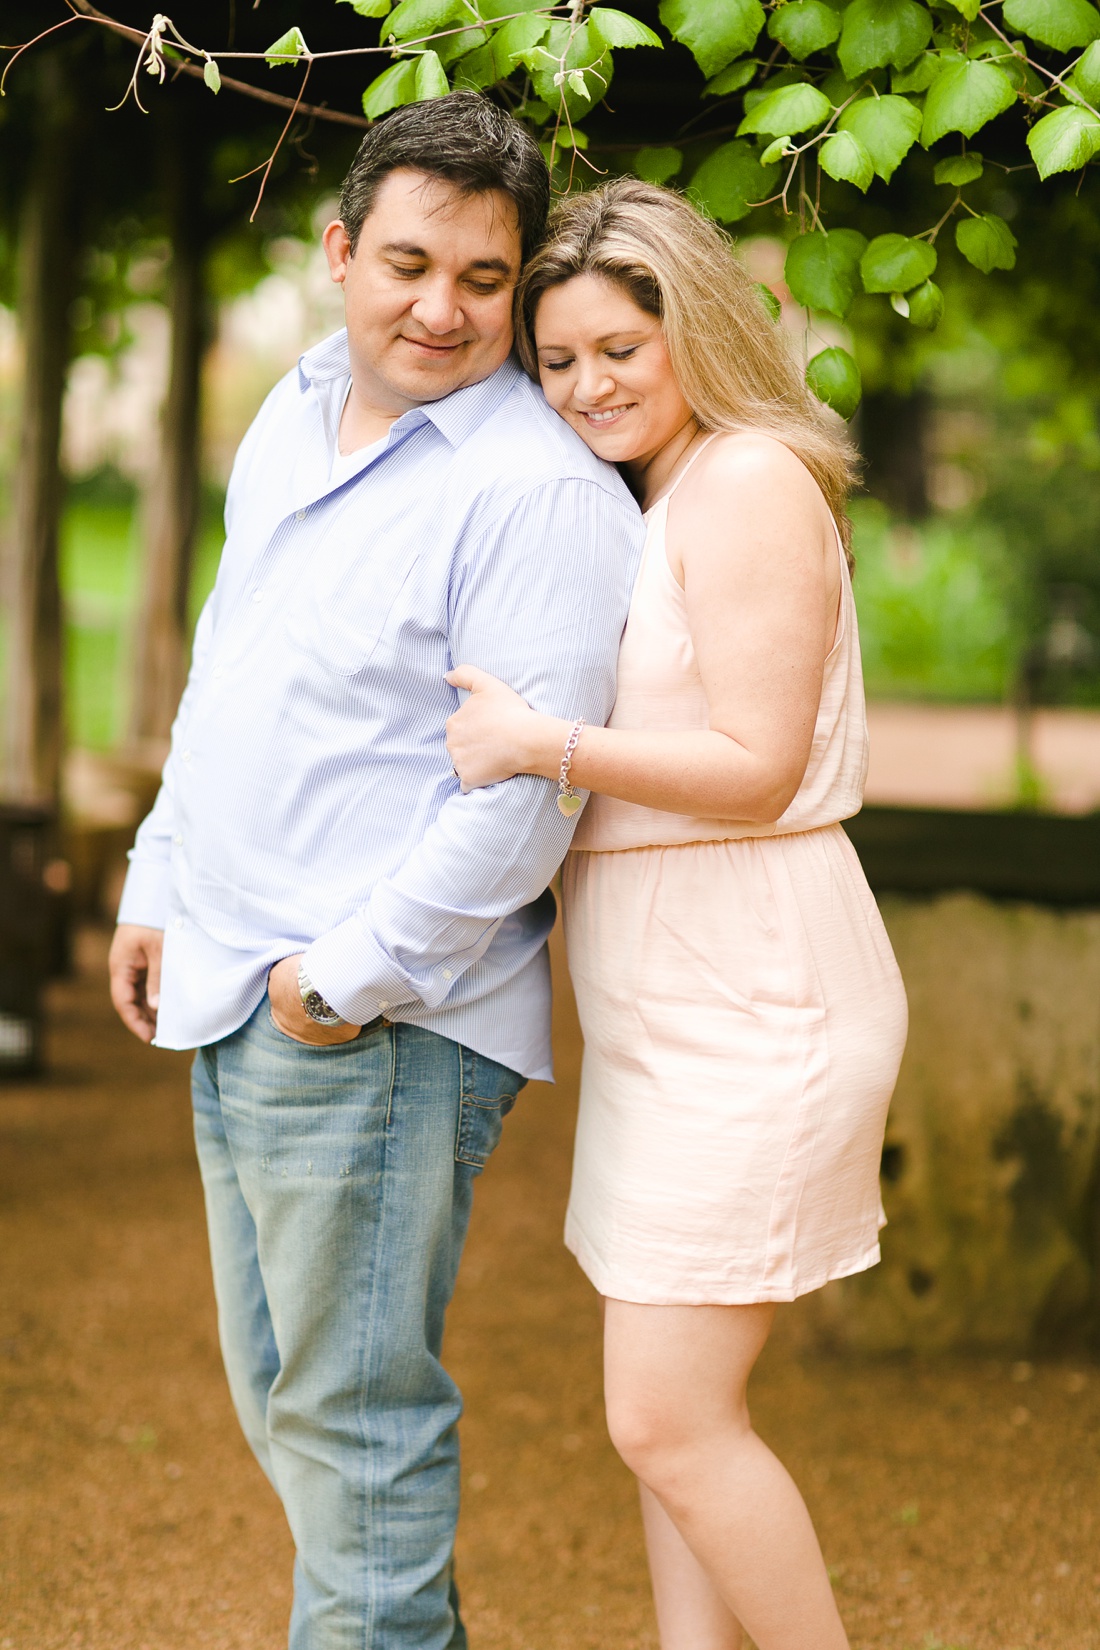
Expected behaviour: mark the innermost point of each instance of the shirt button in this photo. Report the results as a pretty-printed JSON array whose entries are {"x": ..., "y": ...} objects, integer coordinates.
[
  {"x": 383, "y": 1005},
  {"x": 178, "y": 923},
  {"x": 219, "y": 672},
  {"x": 186, "y": 757},
  {"x": 447, "y": 975},
  {"x": 178, "y": 839},
  {"x": 257, "y": 595},
  {"x": 300, "y": 515}
]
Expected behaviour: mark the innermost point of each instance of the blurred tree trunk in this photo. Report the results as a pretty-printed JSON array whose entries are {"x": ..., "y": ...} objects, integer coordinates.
[
  {"x": 48, "y": 257},
  {"x": 893, "y": 436},
  {"x": 172, "y": 502}
]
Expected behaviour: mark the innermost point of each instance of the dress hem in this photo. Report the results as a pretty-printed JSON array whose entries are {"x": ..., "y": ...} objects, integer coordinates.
[{"x": 603, "y": 1280}]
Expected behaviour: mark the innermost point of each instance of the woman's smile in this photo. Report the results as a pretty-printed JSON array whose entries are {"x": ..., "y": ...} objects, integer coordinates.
[{"x": 600, "y": 420}]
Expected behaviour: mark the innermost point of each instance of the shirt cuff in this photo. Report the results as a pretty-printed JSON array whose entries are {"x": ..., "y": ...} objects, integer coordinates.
[
  {"x": 145, "y": 894},
  {"x": 355, "y": 976}
]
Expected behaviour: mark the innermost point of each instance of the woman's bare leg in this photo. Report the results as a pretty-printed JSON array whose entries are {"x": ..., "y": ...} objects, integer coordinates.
[
  {"x": 675, "y": 1380},
  {"x": 691, "y": 1612}
]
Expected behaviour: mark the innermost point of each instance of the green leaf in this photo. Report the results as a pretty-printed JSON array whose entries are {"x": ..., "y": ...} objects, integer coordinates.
[
  {"x": 894, "y": 263},
  {"x": 790, "y": 109},
  {"x": 1086, "y": 74},
  {"x": 659, "y": 164},
  {"x": 212, "y": 75},
  {"x": 731, "y": 79},
  {"x": 769, "y": 300},
  {"x": 1064, "y": 141},
  {"x": 587, "y": 69},
  {"x": 822, "y": 269},
  {"x": 918, "y": 75},
  {"x": 516, "y": 39},
  {"x": 450, "y": 47},
  {"x": 834, "y": 378},
  {"x": 491, "y": 10},
  {"x": 959, "y": 169},
  {"x": 714, "y": 31},
  {"x": 367, "y": 8},
  {"x": 393, "y": 87},
  {"x": 986, "y": 242},
  {"x": 880, "y": 32},
  {"x": 287, "y": 49},
  {"x": 804, "y": 26},
  {"x": 1062, "y": 24},
  {"x": 615, "y": 28},
  {"x": 477, "y": 70},
  {"x": 887, "y": 127},
  {"x": 926, "y": 306},
  {"x": 963, "y": 98},
  {"x": 844, "y": 158},
  {"x": 730, "y": 182},
  {"x": 416, "y": 19},
  {"x": 968, "y": 8},
  {"x": 431, "y": 80},
  {"x": 775, "y": 151}
]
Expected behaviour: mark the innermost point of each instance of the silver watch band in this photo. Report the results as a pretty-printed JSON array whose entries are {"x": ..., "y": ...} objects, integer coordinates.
[{"x": 322, "y": 1013}]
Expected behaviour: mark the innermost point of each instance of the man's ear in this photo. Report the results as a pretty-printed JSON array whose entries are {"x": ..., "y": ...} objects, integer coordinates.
[{"x": 337, "y": 250}]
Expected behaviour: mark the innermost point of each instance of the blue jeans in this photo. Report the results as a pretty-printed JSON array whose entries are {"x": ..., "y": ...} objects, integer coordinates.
[{"x": 338, "y": 1186}]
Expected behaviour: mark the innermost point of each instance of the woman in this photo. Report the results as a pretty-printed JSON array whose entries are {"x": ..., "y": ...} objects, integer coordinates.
[{"x": 742, "y": 1012}]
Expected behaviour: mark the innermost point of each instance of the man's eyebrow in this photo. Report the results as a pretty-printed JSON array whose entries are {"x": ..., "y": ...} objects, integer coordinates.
[{"x": 406, "y": 249}]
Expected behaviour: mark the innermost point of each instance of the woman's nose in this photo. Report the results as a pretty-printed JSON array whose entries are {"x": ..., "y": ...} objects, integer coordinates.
[{"x": 594, "y": 383}]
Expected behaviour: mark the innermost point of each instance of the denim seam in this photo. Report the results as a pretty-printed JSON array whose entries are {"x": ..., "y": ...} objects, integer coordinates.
[{"x": 393, "y": 1076}]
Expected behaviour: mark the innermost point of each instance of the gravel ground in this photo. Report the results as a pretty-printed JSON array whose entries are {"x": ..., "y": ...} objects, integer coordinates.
[{"x": 958, "y": 1501}]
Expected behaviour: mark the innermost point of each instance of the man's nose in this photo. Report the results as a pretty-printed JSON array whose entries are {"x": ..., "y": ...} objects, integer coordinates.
[{"x": 437, "y": 307}]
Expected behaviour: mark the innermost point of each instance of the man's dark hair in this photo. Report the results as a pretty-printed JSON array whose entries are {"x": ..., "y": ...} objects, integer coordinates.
[{"x": 463, "y": 138}]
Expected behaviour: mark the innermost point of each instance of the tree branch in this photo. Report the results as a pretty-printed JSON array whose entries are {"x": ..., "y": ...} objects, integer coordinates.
[{"x": 92, "y": 15}]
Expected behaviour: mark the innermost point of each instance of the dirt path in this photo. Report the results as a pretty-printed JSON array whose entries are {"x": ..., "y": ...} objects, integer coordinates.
[{"x": 959, "y": 1503}]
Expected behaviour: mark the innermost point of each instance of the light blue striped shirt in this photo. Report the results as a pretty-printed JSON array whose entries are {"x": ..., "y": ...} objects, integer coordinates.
[{"x": 308, "y": 802}]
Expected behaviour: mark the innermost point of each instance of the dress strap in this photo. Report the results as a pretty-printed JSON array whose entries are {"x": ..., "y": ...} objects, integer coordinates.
[{"x": 699, "y": 449}]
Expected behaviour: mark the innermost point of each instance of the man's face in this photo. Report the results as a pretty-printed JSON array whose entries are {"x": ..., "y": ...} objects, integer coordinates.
[{"x": 428, "y": 292}]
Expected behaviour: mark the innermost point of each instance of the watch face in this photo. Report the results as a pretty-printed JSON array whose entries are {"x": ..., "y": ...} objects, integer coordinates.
[{"x": 320, "y": 1011}]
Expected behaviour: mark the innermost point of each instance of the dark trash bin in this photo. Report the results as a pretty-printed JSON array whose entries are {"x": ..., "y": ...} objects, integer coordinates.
[{"x": 28, "y": 934}]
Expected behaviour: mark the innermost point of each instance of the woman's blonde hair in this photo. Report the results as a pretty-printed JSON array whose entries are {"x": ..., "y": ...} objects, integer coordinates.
[{"x": 732, "y": 361}]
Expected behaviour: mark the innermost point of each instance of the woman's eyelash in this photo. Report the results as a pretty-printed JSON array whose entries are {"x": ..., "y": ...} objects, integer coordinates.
[
  {"x": 556, "y": 366},
  {"x": 622, "y": 354}
]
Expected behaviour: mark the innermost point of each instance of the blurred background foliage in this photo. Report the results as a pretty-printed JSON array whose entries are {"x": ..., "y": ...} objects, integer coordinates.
[{"x": 977, "y": 537}]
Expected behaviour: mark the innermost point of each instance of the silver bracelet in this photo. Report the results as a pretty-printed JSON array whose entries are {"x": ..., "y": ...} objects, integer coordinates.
[{"x": 569, "y": 798}]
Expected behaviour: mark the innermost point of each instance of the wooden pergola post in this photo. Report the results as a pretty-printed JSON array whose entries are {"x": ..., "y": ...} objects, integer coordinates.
[{"x": 49, "y": 251}]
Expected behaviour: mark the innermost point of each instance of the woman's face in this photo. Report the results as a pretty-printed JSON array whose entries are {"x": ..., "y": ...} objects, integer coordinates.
[{"x": 604, "y": 367}]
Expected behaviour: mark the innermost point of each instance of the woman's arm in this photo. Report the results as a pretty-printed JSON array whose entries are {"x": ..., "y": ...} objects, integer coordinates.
[{"x": 755, "y": 543}]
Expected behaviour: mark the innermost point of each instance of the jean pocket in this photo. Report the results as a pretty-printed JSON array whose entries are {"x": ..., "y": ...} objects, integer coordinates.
[{"x": 488, "y": 1094}]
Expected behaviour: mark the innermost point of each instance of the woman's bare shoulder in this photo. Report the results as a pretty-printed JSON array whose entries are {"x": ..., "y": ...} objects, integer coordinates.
[
  {"x": 745, "y": 474},
  {"x": 751, "y": 458}
]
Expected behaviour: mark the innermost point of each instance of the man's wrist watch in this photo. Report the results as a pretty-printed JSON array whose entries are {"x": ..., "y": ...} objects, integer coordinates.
[{"x": 314, "y": 1004}]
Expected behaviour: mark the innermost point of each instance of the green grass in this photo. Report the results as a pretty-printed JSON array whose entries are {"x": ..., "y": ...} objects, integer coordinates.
[{"x": 100, "y": 559}]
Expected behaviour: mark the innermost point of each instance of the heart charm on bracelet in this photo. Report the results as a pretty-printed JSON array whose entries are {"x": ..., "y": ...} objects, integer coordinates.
[{"x": 569, "y": 800}]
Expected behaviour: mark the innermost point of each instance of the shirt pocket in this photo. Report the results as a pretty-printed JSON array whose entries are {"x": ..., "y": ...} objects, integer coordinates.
[{"x": 341, "y": 612}]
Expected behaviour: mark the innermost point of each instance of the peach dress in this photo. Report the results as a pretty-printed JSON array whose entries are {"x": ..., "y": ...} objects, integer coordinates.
[{"x": 742, "y": 1011}]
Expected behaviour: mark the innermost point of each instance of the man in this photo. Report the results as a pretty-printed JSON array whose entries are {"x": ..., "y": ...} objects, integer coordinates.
[{"x": 356, "y": 949}]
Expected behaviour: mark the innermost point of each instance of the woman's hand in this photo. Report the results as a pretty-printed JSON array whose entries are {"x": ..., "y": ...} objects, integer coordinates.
[{"x": 495, "y": 734}]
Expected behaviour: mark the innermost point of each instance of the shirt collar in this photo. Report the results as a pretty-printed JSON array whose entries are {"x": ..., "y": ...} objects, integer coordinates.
[{"x": 455, "y": 416}]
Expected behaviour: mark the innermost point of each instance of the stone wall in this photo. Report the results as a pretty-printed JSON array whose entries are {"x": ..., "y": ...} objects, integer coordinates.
[{"x": 991, "y": 1170}]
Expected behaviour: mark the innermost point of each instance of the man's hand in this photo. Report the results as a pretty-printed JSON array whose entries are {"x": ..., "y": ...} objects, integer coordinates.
[
  {"x": 289, "y": 1015},
  {"x": 134, "y": 965}
]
